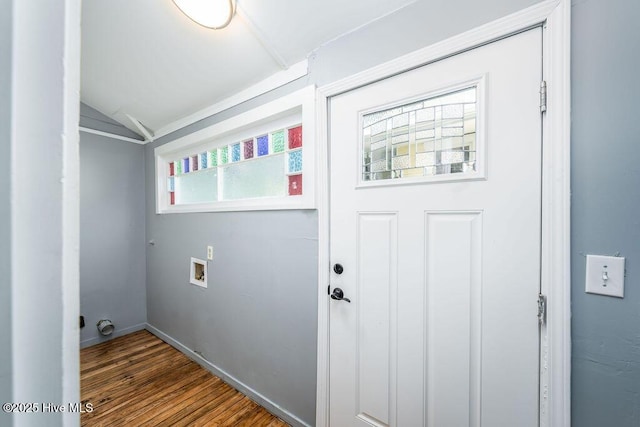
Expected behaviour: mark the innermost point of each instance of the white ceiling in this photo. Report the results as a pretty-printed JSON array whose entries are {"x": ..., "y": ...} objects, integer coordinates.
[{"x": 146, "y": 59}]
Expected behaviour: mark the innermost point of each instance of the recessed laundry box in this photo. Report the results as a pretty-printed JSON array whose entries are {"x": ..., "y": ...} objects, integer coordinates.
[{"x": 198, "y": 272}]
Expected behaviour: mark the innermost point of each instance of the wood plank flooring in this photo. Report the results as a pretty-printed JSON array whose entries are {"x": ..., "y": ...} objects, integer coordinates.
[{"x": 139, "y": 380}]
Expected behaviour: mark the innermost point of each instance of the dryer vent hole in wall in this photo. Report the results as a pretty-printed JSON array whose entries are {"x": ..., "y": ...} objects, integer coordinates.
[{"x": 105, "y": 327}]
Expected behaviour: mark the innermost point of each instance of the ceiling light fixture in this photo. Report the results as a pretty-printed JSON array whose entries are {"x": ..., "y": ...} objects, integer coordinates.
[{"x": 214, "y": 14}]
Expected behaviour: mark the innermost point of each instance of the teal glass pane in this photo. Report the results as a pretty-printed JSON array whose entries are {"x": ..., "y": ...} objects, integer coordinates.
[
  {"x": 295, "y": 161},
  {"x": 278, "y": 141},
  {"x": 213, "y": 158},
  {"x": 259, "y": 178},
  {"x": 171, "y": 183},
  {"x": 235, "y": 152},
  {"x": 204, "y": 161},
  {"x": 224, "y": 155}
]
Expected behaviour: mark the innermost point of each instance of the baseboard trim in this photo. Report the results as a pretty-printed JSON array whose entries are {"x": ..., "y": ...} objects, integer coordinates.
[
  {"x": 270, "y": 406},
  {"x": 118, "y": 333}
]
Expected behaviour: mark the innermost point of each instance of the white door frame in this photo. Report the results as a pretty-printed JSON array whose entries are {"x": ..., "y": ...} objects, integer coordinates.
[{"x": 555, "y": 357}]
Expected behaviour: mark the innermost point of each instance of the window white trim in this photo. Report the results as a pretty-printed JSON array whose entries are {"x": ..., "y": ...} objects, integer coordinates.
[
  {"x": 297, "y": 107},
  {"x": 555, "y": 358}
]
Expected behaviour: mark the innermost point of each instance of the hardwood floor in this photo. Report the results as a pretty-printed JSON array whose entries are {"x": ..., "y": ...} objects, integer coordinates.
[{"x": 139, "y": 380}]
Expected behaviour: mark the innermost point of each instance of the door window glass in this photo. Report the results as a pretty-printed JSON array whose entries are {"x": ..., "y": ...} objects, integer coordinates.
[{"x": 434, "y": 136}]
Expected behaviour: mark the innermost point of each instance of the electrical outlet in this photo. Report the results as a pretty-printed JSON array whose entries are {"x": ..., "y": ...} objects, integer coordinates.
[
  {"x": 605, "y": 275},
  {"x": 209, "y": 253}
]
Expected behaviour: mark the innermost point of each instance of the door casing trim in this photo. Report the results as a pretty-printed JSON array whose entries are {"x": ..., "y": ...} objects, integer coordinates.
[{"x": 555, "y": 346}]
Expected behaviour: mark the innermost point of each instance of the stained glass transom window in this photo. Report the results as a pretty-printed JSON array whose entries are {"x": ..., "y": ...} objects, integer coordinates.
[
  {"x": 232, "y": 171},
  {"x": 434, "y": 136}
]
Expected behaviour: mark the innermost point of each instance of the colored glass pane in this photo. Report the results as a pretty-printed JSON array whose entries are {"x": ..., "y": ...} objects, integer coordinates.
[
  {"x": 235, "y": 152},
  {"x": 295, "y": 137},
  {"x": 277, "y": 139},
  {"x": 263, "y": 145},
  {"x": 248, "y": 149},
  {"x": 185, "y": 165},
  {"x": 204, "y": 161},
  {"x": 295, "y": 161},
  {"x": 213, "y": 158},
  {"x": 194, "y": 162},
  {"x": 171, "y": 184},
  {"x": 178, "y": 167},
  {"x": 173, "y": 198},
  {"x": 171, "y": 169},
  {"x": 224, "y": 155},
  {"x": 295, "y": 185}
]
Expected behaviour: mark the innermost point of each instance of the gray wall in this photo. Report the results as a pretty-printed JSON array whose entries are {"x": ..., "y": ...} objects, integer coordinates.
[
  {"x": 112, "y": 235},
  {"x": 606, "y": 209},
  {"x": 257, "y": 320},
  {"x": 5, "y": 208}
]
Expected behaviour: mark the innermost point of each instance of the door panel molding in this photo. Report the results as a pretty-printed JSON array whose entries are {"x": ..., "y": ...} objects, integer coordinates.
[
  {"x": 377, "y": 266},
  {"x": 555, "y": 346},
  {"x": 454, "y": 303}
]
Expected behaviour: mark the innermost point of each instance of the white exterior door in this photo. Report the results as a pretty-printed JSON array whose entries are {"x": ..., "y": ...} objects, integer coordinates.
[{"x": 435, "y": 220}]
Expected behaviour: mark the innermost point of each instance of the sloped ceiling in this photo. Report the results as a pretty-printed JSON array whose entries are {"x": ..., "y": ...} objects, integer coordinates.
[{"x": 145, "y": 59}]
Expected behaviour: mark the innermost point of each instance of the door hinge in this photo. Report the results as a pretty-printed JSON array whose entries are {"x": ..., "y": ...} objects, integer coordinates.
[
  {"x": 543, "y": 96},
  {"x": 542, "y": 309}
]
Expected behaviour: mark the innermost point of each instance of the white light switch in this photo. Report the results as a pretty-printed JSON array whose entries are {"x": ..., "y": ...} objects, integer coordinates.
[
  {"x": 605, "y": 275},
  {"x": 209, "y": 253}
]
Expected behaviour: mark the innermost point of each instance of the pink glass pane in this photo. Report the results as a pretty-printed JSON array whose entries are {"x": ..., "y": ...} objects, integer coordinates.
[
  {"x": 173, "y": 198},
  {"x": 171, "y": 171},
  {"x": 194, "y": 160},
  {"x": 295, "y": 185},
  {"x": 295, "y": 137},
  {"x": 248, "y": 149}
]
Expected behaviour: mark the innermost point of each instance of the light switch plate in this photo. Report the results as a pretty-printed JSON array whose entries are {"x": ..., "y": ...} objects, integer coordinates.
[
  {"x": 605, "y": 275},
  {"x": 209, "y": 253}
]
